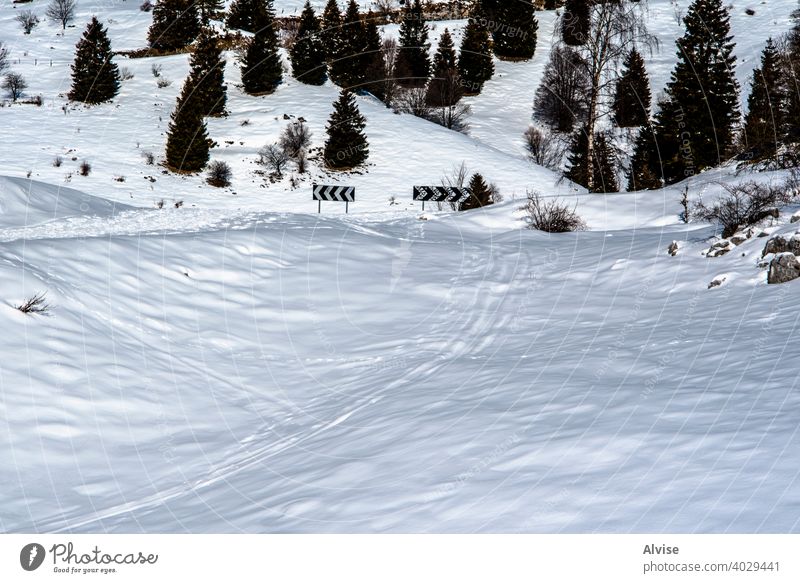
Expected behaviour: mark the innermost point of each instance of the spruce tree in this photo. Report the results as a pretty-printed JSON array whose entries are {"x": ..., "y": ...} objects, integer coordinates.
[
  {"x": 347, "y": 146},
  {"x": 375, "y": 75},
  {"x": 645, "y": 157},
  {"x": 331, "y": 30},
  {"x": 413, "y": 61},
  {"x": 575, "y": 22},
  {"x": 603, "y": 165},
  {"x": 246, "y": 14},
  {"x": 187, "y": 138},
  {"x": 262, "y": 70},
  {"x": 764, "y": 125},
  {"x": 208, "y": 74},
  {"x": 515, "y": 30},
  {"x": 792, "y": 80},
  {"x": 480, "y": 194},
  {"x": 308, "y": 53},
  {"x": 209, "y": 9},
  {"x": 444, "y": 88},
  {"x": 475, "y": 65},
  {"x": 349, "y": 68},
  {"x": 176, "y": 24},
  {"x": 632, "y": 93},
  {"x": 695, "y": 125},
  {"x": 95, "y": 78}
]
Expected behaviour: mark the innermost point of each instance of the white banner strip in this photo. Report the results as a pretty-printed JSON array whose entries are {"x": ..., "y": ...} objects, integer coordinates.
[{"x": 399, "y": 558}]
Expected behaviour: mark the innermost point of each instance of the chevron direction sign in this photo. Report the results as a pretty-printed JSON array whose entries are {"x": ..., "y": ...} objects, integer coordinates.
[
  {"x": 345, "y": 194},
  {"x": 440, "y": 194}
]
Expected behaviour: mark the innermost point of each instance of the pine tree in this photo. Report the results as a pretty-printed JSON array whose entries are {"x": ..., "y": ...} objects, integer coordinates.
[
  {"x": 480, "y": 194},
  {"x": 645, "y": 158},
  {"x": 187, "y": 139},
  {"x": 262, "y": 70},
  {"x": 95, "y": 78},
  {"x": 695, "y": 126},
  {"x": 349, "y": 68},
  {"x": 764, "y": 125},
  {"x": 575, "y": 22},
  {"x": 308, "y": 53},
  {"x": 331, "y": 30},
  {"x": 347, "y": 146},
  {"x": 176, "y": 24},
  {"x": 632, "y": 93},
  {"x": 375, "y": 75},
  {"x": 444, "y": 88},
  {"x": 791, "y": 66},
  {"x": 515, "y": 30},
  {"x": 247, "y": 14},
  {"x": 475, "y": 65},
  {"x": 209, "y": 9},
  {"x": 208, "y": 74},
  {"x": 603, "y": 165},
  {"x": 413, "y": 61}
]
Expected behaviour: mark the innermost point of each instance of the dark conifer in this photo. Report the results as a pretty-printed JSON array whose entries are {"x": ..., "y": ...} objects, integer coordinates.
[
  {"x": 475, "y": 65},
  {"x": 208, "y": 74},
  {"x": 347, "y": 145},
  {"x": 632, "y": 93},
  {"x": 308, "y": 54},
  {"x": 413, "y": 60},
  {"x": 210, "y": 9},
  {"x": 95, "y": 77},
  {"x": 176, "y": 24},
  {"x": 187, "y": 139},
  {"x": 246, "y": 14},
  {"x": 375, "y": 76},
  {"x": 444, "y": 88},
  {"x": 575, "y": 22},
  {"x": 764, "y": 124},
  {"x": 645, "y": 157},
  {"x": 515, "y": 30},
  {"x": 262, "y": 70},
  {"x": 332, "y": 30},
  {"x": 480, "y": 194},
  {"x": 604, "y": 168},
  {"x": 349, "y": 68}
]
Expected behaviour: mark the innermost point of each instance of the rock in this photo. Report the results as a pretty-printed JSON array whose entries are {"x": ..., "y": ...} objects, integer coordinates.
[
  {"x": 794, "y": 244},
  {"x": 720, "y": 248},
  {"x": 776, "y": 244},
  {"x": 783, "y": 267},
  {"x": 673, "y": 248},
  {"x": 795, "y": 217},
  {"x": 717, "y": 282},
  {"x": 738, "y": 239}
]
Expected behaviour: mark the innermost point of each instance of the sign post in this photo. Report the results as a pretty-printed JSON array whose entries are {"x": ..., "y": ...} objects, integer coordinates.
[{"x": 345, "y": 194}]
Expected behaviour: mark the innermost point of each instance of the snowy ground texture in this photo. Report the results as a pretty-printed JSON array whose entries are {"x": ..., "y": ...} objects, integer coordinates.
[{"x": 241, "y": 364}]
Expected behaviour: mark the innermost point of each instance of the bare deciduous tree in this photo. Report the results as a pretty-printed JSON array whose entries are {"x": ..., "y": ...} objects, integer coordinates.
[
  {"x": 543, "y": 148},
  {"x": 62, "y": 11},
  {"x": 274, "y": 157},
  {"x": 3, "y": 57},
  {"x": 15, "y": 85},
  {"x": 295, "y": 138},
  {"x": 560, "y": 100},
  {"x": 27, "y": 20}
]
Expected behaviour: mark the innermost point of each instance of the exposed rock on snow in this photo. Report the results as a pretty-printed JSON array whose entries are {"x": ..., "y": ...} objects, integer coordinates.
[
  {"x": 779, "y": 244},
  {"x": 783, "y": 267},
  {"x": 717, "y": 281},
  {"x": 673, "y": 248}
]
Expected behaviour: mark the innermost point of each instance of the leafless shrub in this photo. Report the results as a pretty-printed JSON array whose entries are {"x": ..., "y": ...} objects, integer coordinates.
[
  {"x": 35, "y": 304},
  {"x": 302, "y": 161},
  {"x": 385, "y": 7},
  {"x": 119, "y": 179},
  {"x": 551, "y": 215},
  {"x": 745, "y": 204},
  {"x": 163, "y": 82},
  {"x": 27, "y": 20},
  {"x": 62, "y": 11},
  {"x": 15, "y": 85},
  {"x": 245, "y": 123},
  {"x": 457, "y": 177},
  {"x": 125, "y": 74},
  {"x": 544, "y": 148},
  {"x": 273, "y": 157},
  {"x": 219, "y": 174},
  {"x": 149, "y": 158},
  {"x": 178, "y": 204},
  {"x": 156, "y": 69},
  {"x": 58, "y": 161},
  {"x": 296, "y": 137},
  {"x": 84, "y": 169}
]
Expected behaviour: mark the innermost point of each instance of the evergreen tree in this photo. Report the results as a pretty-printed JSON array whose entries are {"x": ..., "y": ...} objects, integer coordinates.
[
  {"x": 603, "y": 165},
  {"x": 444, "y": 89},
  {"x": 209, "y": 9},
  {"x": 515, "y": 30},
  {"x": 308, "y": 53},
  {"x": 375, "y": 75},
  {"x": 413, "y": 62},
  {"x": 349, "y": 68},
  {"x": 208, "y": 74},
  {"x": 262, "y": 70},
  {"x": 575, "y": 22},
  {"x": 632, "y": 93},
  {"x": 247, "y": 14},
  {"x": 347, "y": 146},
  {"x": 187, "y": 139},
  {"x": 764, "y": 125},
  {"x": 645, "y": 158},
  {"x": 95, "y": 78},
  {"x": 791, "y": 66},
  {"x": 175, "y": 24},
  {"x": 475, "y": 65},
  {"x": 331, "y": 30},
  {"x": 695, "y": 125},
  {"x": 480, "y": 194}
]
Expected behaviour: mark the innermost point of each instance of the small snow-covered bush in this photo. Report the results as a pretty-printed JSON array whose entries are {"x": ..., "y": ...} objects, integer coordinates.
[
  {"x": 544, "y": 148},
  {"x": 163, "y": 82},
  {"x": 551, "y": 215},
  {"x": 35, "y": 304},
  {"x": 219, "y": 174},
  {"x": 58, "y": 161},
  {"x": 149, "y": 158},
  {"x": 296, "y": 137},
  {"x": 84, "y": 169}
]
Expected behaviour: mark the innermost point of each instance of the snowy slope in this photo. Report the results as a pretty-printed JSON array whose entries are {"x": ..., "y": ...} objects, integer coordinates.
[{"x": 242, "y": 364}]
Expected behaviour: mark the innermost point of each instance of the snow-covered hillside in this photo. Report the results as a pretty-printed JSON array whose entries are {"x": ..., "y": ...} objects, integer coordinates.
[{"x": 242, "y": 364}]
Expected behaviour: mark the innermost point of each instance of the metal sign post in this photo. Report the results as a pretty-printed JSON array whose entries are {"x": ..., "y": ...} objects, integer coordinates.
[{"x": 345, "y": 194}]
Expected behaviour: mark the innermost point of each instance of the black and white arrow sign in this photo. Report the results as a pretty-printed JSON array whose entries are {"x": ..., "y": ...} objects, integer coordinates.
[
  {"x": 440, "y": 194},
  {"x": 334, "y": 193}
]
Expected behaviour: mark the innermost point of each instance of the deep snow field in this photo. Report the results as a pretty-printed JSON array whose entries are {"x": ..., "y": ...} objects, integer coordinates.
[{"x": 243, "y": 364}]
